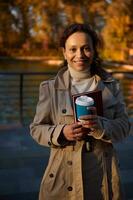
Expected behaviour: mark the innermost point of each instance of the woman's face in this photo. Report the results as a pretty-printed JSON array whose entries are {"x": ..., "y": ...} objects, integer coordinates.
[{"x": 79, "y": 51}]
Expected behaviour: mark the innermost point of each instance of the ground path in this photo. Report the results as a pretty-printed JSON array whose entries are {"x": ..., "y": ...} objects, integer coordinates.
[{"x": 22, "y": 163}]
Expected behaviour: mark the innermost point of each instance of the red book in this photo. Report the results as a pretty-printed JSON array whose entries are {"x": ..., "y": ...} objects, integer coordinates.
[{"x": 96, "y": 95}]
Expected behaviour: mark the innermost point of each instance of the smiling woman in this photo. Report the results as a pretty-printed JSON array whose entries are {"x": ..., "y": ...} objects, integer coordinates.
[{"x": 83, "y": 163}]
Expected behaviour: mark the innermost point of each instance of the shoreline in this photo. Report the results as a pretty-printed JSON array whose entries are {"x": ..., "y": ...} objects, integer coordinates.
[{"x": 56, "y": 60}]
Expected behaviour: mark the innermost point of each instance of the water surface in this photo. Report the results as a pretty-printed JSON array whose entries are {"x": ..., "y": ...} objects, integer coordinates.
[{"x": 10, "y": 88}]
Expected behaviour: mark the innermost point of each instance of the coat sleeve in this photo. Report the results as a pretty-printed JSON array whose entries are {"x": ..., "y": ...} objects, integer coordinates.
[
  {"x": 42, "y": 129},
  {"x": 116, "y": 129}
]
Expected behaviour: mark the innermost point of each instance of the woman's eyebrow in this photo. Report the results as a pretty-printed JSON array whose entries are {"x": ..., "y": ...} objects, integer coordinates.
[
  {"x": 87, "y": 44},
  {"x": 73, "y": 45}
]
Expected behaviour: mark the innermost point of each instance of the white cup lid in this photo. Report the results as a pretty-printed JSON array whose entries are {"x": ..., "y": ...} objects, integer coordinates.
[{"x": 84, "y": 101}]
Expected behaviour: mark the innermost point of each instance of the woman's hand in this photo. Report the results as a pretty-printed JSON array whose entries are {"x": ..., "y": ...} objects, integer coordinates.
[
  {"x": 90, "y": 121},
  {"x": 79, "y": 130},
  {"x": 74, "y": 131}
]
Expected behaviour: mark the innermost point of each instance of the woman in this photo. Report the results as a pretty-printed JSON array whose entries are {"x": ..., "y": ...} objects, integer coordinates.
[{"x": 83, "y": 163}]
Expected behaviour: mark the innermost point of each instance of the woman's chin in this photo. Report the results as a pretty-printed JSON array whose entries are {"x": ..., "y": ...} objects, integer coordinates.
[{"x": 81, "y": 67}]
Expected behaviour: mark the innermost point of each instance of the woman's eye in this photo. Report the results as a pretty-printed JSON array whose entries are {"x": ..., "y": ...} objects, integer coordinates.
[
  {"x": 87, "y": 49},
  {"x": 73, "y": 50}
]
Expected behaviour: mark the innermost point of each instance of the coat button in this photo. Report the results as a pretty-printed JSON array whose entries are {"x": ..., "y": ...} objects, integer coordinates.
[
  {"x": 64, "y": 110},
  {"x": 49, "y": 143},
  {"x": 70, "y": 188},
  {"x": 51, "y": 175},
  {"x": 69, "y": 162}
]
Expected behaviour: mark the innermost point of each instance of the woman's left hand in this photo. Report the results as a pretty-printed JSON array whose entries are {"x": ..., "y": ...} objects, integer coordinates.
[{"x": 91, "y": 120}]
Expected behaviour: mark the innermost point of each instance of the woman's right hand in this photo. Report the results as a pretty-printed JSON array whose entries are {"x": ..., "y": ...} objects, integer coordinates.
[{"x": 74, "y": 131}]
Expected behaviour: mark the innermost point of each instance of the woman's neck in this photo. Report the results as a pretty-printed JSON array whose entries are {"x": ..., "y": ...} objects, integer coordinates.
[{"x": 79, "y": 75}]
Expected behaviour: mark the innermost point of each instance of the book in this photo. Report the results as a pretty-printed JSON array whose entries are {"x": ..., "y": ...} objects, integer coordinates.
[{"x": 96, "y": 95}]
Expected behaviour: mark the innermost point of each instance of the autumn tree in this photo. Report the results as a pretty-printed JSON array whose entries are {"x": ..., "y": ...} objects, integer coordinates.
[
  {"x": 117, "y": 30},
  {"x": 7, "y": 33},
  {"x": 40, "y": 22}
]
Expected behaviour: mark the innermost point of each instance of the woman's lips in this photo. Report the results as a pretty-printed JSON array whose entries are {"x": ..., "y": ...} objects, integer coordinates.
[{"x": 80, "y": 61}]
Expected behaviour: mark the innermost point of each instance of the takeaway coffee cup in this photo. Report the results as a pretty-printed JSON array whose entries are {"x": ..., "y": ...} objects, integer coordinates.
[{"x": 83, "y": 104}]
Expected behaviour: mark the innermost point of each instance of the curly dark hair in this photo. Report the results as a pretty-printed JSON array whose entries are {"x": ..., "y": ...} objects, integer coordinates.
[{"x": 96, "y": 41}]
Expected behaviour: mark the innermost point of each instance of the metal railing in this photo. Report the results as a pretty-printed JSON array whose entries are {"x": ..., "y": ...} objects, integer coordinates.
[
  {"x": 19, "y": 94},
  {"x": 13, "y": 88}
]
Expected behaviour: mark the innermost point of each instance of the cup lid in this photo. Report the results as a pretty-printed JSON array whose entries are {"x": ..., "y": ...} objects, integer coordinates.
[{"x": 84, "y": 101}]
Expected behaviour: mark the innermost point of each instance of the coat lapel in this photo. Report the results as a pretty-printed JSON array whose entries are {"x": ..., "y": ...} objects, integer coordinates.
[
  {"x": 62, "y": 84},
  {"x": 108, "y": 98}
]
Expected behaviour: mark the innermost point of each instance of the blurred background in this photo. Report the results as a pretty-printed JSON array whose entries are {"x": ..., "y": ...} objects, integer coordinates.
[
  {"x": 32, "y": 27},
  {"x": 29, "y": 53}
]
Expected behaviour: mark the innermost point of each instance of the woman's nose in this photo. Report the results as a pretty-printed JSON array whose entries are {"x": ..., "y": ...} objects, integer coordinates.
[{"x": 80, "y": 53}]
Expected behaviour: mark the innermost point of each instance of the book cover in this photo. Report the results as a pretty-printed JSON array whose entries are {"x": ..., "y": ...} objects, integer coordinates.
[{"x": 96, "y": 95}]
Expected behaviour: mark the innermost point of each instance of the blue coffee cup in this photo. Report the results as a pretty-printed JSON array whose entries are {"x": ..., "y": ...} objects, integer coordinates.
[{"x": 83, "y": 104}]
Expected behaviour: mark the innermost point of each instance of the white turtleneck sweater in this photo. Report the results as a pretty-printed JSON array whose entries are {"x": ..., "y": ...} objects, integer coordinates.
[{"x": 81, "y": 81}]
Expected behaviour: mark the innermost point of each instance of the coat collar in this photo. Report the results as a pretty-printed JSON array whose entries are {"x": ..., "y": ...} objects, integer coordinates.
[{"x": 62, "y": 79}]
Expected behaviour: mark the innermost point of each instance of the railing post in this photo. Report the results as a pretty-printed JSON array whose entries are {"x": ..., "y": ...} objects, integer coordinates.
[{"x": 21, "y": 98}]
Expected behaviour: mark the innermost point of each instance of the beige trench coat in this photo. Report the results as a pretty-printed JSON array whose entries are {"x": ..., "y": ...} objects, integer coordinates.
[{"x": 72, "y": 172}]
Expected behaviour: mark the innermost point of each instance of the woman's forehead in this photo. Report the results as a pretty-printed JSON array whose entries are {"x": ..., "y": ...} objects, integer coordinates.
[{"x": 79, "y": 38}]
